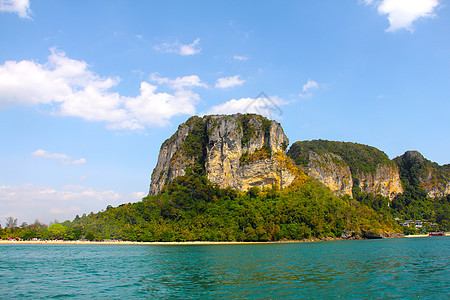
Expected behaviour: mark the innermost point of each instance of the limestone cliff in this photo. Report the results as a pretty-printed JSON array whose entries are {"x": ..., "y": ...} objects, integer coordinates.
[
  {"x": 385, "y": 181},
  {"x": 340, "y": 166},
  {"x": 332, "y": 171},
  {"x": 237, "y": 151},
  {"x": 424, "y": 174}
]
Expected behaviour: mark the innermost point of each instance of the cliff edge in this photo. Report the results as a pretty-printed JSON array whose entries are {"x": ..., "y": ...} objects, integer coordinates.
[
  {"x": 238, "y": 151},
  {"x": 342, "y": 166}
]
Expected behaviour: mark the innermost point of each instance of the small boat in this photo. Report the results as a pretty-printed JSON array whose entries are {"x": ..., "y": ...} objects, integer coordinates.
[{"x": 437, "y": 233}]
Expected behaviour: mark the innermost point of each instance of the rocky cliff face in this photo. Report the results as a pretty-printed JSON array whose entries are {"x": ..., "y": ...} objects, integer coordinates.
[
  {"x": 424, "y": 174},
  {"x": 171, "y": 162},
  {"x": 385, "y": 181},
  {"x": 237, "y": 151},
  {"x": 332, "y": 171},
  {"x": 340, "y": 166}
]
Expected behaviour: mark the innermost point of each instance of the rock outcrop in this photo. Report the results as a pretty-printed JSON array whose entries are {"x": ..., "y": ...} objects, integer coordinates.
[
  {"x": 237, "y": 151},
  {"x": 244, "y": 151},
  {"x": 385, "y": 181},
  {"x": 341, "y": 166},
  {"x": 332, "y": 171},
  {"x": 420, "y": 172}
]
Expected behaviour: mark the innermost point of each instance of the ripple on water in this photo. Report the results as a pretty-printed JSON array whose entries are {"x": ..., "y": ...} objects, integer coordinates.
[{"x": 400, "y": 268}]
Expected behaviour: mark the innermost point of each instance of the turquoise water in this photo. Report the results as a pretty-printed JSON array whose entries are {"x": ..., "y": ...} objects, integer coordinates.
[{"x": 396, "y": 268}]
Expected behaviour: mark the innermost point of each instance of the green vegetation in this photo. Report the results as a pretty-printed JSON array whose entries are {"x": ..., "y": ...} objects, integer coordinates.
[
  {"x": 248, "y": 131},
  {"x": 360, "y": 158},
  {"x": 192, "y": 208},
  {"x": 258, "y": 154},
  {"x": 419, "y": 172},
  {"x": 37, "y": 230},
  {"x": 194, "y": 146},
  {"x": 416, "y": 174},
  {"x": 266, "y": 125}
]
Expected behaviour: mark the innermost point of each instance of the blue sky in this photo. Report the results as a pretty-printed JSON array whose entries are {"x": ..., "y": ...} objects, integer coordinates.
[{"x": 89, "y": 90}]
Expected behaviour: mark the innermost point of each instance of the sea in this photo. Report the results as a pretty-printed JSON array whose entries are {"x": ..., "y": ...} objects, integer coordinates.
[{"x": 408, "y": 268}]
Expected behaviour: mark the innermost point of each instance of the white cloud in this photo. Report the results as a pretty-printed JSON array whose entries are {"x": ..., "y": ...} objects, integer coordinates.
[
  {"x": 307, "y": 87},
  {"x": 241, "y": 58},
  {"x": 43, "y": 153},
  {"x": 65, "y": 159},
  {"x": 403, "y": 13},
  {"x": 80, "y": 161},
  {"x": 155, "y": 109},
  {"x": 179, "y": 82},
  {"x": 262, "y": 105},
  {"x": 29, "y": 202},
  {"x": 227, "y": 82},
  {"x": 21, "y": 7},
  {"x": 178, "y": 48},
  {"x": 69, "y": 88}
]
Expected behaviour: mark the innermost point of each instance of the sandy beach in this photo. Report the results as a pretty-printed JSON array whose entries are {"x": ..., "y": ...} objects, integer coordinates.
[
  {"x": 85, "y": 242},
  {"x": 61, "y": 242},
  {"x": 416, "y": 235},
  {"x": 422, "y": 235},
  {"x": 58, "y": 242}
]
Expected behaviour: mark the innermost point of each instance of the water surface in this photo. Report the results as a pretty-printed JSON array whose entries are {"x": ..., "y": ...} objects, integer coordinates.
[{"x": 395, "y": 268}]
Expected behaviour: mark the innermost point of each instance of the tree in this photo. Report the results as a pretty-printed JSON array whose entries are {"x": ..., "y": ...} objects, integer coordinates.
[
  {"x": 58, "y": 231},
  {"x": 11, "y": 223}
]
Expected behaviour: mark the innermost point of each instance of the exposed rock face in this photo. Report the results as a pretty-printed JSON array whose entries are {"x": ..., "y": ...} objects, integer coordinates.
[
  {"x": 167, "y": 169},
  {"x": 439, "y": 192},
  {"x": 422, "y": 173},
  {"x": 340, "y": 166},
  {"x": 332, "y": 171},
  {"x": 386, "y": 181},
  {"x": 237, "y": 151}
]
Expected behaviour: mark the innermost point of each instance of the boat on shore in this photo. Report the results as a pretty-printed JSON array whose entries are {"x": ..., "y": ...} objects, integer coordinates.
[{"x": 437, "y": 233}]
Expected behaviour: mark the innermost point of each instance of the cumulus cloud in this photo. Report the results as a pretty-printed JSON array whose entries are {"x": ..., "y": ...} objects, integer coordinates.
[
  {"x": 179, "y": 82},
  {"x": 155, "y": 109},
  {"x": 29, "y": 202},
  {"x": 227, "y": 82},
  {"x": 20, "y": 7},
  {"x": 403, "y": 13},
  {"x": 308, "y": 87},
  {"x": 178, "y": 48},
  {"x": 69, "y": 88},
  {"x": 65, "y": 159},
  {"x": 269, "y": 107}
]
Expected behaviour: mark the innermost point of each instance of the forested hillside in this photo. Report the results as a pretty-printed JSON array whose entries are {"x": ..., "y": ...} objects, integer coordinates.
[
  {"x": 360, "y": 158},
  {"x": 426, "y": 185},
  {"x": 192, "y": 208}
]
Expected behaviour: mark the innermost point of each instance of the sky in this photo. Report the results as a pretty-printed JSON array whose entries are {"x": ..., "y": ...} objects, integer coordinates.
[{"x": 89, "y": 90}]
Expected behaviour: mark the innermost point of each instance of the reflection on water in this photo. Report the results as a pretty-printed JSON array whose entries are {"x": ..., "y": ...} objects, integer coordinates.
[{"x": 405, "y": 268}]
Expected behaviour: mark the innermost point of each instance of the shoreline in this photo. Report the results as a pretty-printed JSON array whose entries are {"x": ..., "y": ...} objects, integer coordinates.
[
  {"x": 85, "y": 242},
  {"x": 61, "y": 242},
  {"x": 416, "y": 235}
]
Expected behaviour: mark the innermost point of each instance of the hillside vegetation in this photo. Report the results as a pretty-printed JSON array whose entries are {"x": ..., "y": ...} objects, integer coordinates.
[
  {"x": 360, "y": 158},
  {"x": 419, "y": 176},
  {"x": 192, "y": 208}
]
